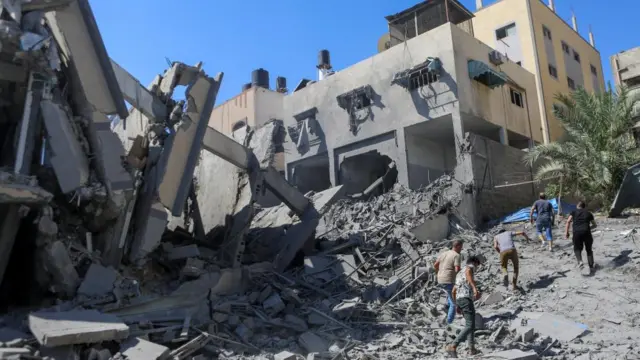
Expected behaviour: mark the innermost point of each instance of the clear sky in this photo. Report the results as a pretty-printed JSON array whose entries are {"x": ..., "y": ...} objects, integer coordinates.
[{"x": 284, "y": 36}]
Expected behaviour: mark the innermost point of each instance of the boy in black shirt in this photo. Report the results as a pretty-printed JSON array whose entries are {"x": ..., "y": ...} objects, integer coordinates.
[{"x": 583, "y": 222}]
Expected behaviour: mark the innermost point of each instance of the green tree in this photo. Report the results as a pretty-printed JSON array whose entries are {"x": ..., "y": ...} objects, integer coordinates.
[{"x": 597, "y": 147}]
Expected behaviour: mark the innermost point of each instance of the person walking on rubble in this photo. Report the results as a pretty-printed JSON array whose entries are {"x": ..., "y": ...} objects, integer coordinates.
[
  {"x": 447, "y": 266},
  {"x": 465, "y": 292},
  {"x": 583, "y": 221},
  {"x": 506, "y": 247},
  {"x": 544, "y": 220}
]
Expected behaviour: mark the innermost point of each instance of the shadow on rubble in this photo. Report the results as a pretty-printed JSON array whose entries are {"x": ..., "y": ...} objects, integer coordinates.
[
  {"x": 620, "y": 260},
  {"x": 546, "y": 280}
]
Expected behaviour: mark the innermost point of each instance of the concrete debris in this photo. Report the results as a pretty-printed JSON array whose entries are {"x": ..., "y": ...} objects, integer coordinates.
[
  {"x": 146, "y": 234},
  {"x": 98, "y": 281},
  {"x": 53, "y": 329}
]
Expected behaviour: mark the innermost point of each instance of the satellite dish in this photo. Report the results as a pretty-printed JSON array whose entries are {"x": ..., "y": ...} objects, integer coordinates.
[{"x": 384, "y": 42}]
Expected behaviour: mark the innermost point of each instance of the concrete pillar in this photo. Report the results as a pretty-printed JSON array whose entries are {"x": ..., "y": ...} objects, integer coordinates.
[
  {"x": 465, "y": 184},
  {"x": 574, "y": 21},
  {"x": 592, "y": 40},
  {"x": 402, "y": 158},
  {"x": 334, "y": 168},
  {"x": 552, "y": 6},
  {"x": 479, "y": 4}
]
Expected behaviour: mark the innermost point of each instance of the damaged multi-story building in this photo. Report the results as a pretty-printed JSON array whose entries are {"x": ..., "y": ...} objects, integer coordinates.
[
  {"x": 532, "y": 34},
  {"x": 626, "y": 72},
  {"x": 94, "y": 165},
  {"x": 434, "y": 101}
]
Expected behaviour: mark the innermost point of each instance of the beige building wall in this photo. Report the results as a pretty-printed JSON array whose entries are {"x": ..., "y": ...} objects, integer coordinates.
[
  {"x": 531, "y": 17},
  {"x": 253, "y": 107},
  {"x": 496, "y": 105}
]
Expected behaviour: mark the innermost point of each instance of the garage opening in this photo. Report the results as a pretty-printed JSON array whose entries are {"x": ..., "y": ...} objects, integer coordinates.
[
  {"x": 311, "y": 174},
  {"x": 358, "y": 173}
]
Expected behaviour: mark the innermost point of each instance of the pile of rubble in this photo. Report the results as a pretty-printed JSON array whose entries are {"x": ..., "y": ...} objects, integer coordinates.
[{"x": 365, "y": 289}]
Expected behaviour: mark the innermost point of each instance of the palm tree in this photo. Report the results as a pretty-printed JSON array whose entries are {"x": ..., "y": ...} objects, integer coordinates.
[{"x": 597, "y": 146}]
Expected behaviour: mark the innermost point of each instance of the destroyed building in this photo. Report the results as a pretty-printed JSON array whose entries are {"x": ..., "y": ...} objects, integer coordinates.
[{"x": 441, "y": 103}]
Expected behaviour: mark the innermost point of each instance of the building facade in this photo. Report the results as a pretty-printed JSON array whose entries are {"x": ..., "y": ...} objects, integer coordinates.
[
  {"x": 410, "y": 113},
  {"x": 530, "y": 33},
  {"x": 626, "y": 72}
]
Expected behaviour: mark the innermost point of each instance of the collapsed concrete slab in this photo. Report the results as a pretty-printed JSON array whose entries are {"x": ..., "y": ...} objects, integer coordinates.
[
  {"x": 513, "y": 354},
  {"x": 98, "y": 281},
  {"x": 140, "y": 349},
  {"x": 435, "y": 229},
  {"x": 68, "y": 158},
  {"x": 76, "y": 327}
]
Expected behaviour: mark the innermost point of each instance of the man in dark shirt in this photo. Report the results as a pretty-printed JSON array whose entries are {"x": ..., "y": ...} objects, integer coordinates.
[
  {"x": 544, "y": 219},
  {"x": 583, "y": 222}
]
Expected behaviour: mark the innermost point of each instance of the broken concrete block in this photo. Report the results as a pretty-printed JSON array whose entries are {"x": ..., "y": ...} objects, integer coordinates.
[
  {"x": 432, "y": 230},
  {"x": 298, "y": 323},
  {"x": 393, "y": 285},
  {"x": 514, "y": 354},
  {"x": 98, "y": 281},
  {"x": 76, "y": 327},
  {"x": 315, "y": 319},
  {"x": 193, "y": 268},
  {"x": 526, "y": 333},
  {"x": 285, "y": 355},
  {"x": 273, "y": 304},
  {"x": 493, "y": 298},
  {"x": 140, "y": 349},
  {"x": 244, "y": 332},
  {"x": 183, "y": 252},
  {"x": 58, "y": 264},
  {"x": 68, "y": 159},
  {"x": 312, "y": 342}
]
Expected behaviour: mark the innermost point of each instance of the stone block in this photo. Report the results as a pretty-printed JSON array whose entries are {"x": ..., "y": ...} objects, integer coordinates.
[
  {"x": 140, "y": 349},
  {"x": 98, "y": 281},
  {"x": 284, "y": 355},
  {"x": 76, "y": 327},
  {"x": 312, "y": 342}
]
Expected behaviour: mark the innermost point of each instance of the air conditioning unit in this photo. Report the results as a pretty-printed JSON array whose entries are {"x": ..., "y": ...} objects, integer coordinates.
[{"x": 496, "y": 58}]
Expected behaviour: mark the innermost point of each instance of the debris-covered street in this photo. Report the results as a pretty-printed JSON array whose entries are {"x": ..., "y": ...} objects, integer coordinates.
[{"x": 132, "y": 229}]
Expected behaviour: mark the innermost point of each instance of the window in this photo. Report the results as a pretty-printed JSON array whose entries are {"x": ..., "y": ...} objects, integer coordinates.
[
  {"x": 546, "y": 32},
  {"x": 422, "y": 78},
  {"x": 594, "y": 71},
  {"x": 516, "y": 98},
  {"x": 571, "y": 83},
  {"x": 576, "y": 56},
  {"x": 565, "y": 48},
  {"x": 505, "y": 31},
  {"x": 553, "y": 71}
]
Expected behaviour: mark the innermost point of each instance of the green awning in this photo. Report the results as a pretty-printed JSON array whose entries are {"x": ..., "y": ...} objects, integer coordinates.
[{"x": 483, "y": 73}]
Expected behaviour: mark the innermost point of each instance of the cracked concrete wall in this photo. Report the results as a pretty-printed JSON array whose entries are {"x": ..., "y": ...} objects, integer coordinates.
[
  {"x": 393, "y": 106},
  {"x": 224, "y": 189}
]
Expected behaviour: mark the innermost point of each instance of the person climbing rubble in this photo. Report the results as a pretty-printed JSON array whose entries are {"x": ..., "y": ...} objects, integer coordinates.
[
  {"x": 544, "y": 220},
  {"x": 464, "y": 293},
  {"x": 506, "y": 247},
  {"x": 447, "y": 267},
  {"x": 583, "y": 221}
]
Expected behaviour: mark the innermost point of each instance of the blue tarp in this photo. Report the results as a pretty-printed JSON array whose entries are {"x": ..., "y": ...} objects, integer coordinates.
[{"x": 523, "y": 214}]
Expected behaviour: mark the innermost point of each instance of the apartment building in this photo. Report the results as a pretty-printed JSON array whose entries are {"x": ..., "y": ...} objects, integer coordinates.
[
  {"x": 409, "y": 119},
  {"x": 626, "y": 72},
  {"x": 531, "y": 34}
]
